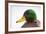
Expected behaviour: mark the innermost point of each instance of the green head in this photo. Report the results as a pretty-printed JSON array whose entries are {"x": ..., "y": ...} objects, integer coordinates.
[{"x": 30, "y": 15}]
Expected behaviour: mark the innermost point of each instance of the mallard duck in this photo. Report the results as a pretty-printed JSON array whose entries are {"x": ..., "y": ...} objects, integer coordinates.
[{"x": 30, "y": 17}]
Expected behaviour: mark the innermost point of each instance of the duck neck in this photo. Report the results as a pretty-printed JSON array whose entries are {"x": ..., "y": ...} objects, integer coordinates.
[{"x": 30, "y": 22}]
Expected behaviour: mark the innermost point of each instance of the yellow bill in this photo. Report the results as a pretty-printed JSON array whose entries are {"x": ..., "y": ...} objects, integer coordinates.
[{"x": 21, "y": 19}]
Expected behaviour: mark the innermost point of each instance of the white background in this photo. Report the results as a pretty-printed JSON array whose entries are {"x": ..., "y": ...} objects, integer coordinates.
[{"x": 2, "y": 18}]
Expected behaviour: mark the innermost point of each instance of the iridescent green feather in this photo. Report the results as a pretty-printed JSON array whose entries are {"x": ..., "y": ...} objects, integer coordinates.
[{"x": 30, "y": 14}]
